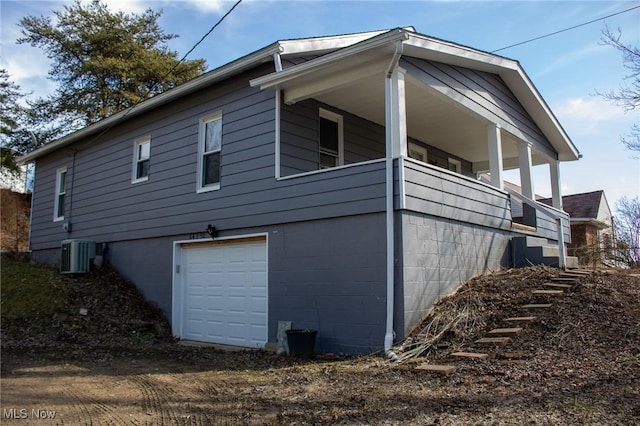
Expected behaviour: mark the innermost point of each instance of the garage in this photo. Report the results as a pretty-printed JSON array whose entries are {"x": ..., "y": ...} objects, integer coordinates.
[{"x": 220, "y": 291}]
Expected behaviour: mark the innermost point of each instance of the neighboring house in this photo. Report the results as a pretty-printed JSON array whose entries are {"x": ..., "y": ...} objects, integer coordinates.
[
  {"x": 15, "y": 206},
  {"x": 15, "y": 209},
  {"x": 592, "y": 232},
  {"x": 328, "y": 181}
]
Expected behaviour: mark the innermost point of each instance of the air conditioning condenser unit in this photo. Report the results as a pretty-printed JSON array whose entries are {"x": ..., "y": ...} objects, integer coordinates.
[{"x": 76, "y": 256}]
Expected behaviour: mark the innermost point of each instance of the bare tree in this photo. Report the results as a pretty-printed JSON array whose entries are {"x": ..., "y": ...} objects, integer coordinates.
[
  {"x": 628, "y": 94},
  {"x": 627, "y": 226}
]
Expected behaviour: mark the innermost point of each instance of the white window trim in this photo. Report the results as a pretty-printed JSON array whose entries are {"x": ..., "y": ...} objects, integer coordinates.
[
  {"x": 457, "y": 163},
  {"x": 336, "y": 118},
  {"x": 136, "y": 160},
  {"x": 201, "y": 135},
  {"x": 56, "y": 201},
  {"x": 418, "y": 148}
]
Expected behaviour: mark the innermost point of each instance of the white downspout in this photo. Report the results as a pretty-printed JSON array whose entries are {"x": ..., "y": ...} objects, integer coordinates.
[
  {"x": 388, "y": 337},
  {"x": 277, "y": 63}
]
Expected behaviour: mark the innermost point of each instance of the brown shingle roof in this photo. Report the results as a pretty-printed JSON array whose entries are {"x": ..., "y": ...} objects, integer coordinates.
[{"x": 584, "y": 206}]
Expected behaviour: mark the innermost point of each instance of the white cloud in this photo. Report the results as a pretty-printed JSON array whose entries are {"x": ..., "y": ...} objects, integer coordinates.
[
  {"x": 587, "y": 113},
  {"x": 140, "y": 6},
  {"x": 127, "y": 6},
  {"x": 209, "y": 6},
  {"x": 569, "y": 58}
]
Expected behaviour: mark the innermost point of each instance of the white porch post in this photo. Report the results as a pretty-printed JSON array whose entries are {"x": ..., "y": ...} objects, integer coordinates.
[
  {"x": 524, "y": 162},
  {"x": 396, "y": 114},
  {"x": 556, "y": 200},
  {"x": 396, "y": 146},
  {"x": 556, "y": 191},
  {"x": 494, "y": 140}
]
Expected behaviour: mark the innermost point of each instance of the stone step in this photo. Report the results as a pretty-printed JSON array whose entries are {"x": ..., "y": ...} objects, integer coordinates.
[
  {"x": 580, "y": 272},
  {"x": 520, "y": 319},
  {"x": 571, "y": 275},
  {"x": 438, "y": 369},
  {"x": 513, "y": 355},
  {"x": 505, "y": 331},
  {"x": 494, "y": 340},
  {"x": 536, "y": 306},
  {"x": 548, "y": 292},
  {"x": 564, "y": 280},
  {"x": 557, "y": 285},
  {"x": 475, "y": 355}
]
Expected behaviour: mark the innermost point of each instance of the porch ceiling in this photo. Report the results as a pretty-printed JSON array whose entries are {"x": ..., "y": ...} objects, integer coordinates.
[{"x": 431, "y": 118}]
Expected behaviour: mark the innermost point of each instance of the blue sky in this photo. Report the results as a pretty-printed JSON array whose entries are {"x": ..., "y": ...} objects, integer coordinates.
[{"x": 567, "y": 68}]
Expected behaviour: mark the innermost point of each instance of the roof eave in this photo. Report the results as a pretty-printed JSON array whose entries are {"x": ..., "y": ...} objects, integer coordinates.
[
  {"x": 590, "y": 221},
  {"x": 541, "y": 113},
  {"x": 278, "y": 78}
]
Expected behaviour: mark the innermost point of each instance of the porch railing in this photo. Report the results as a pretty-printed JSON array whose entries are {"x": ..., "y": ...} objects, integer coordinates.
[{"x": 558, "y": 218}]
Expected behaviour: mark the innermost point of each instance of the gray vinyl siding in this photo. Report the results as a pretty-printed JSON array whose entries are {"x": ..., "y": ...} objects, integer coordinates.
[
  {"x": 485, "y": 94},
  {"x": 440, "y": 158},
  {"x": 363, "y": 140},
  {"x": 42, "y": 224},
  {"x": 441, "y": 193},
  {"x": 547, "y": 227},
  {"x": 103, "y": 204}
]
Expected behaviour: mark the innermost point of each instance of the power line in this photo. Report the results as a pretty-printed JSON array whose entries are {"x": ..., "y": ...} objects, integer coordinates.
[
  {"x": 209, "y": 32},
  {"x": 198, "y": 43},
  {"x": 566, "y": 29},
  {"x": 131, "y": 108},
  {"x": 167, "y": 74}
]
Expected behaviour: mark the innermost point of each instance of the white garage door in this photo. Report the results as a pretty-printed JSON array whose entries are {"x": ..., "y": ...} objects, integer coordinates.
[{"x": 224, "y": 293}]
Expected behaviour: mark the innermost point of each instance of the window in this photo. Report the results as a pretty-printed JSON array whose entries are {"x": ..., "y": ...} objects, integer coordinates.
[
  {"x": 417, "y": 152},
  {"x": 330, "y": 140},
  {"x": 209, "y": 146},
  {"x": 61, "y": 190},
  {"x": 141, "y": 151},
  {"x": 455, "y": 165}
]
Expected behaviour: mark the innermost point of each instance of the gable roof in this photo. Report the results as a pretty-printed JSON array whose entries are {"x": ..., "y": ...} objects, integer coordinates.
[
  {"x": 586, "y": 207},
  {"x": 333, "y": 50},
  {"x": 580, "y": 205}
]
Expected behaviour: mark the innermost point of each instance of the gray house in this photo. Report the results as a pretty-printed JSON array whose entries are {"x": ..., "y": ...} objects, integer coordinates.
[{"x": 328, "y": 181}]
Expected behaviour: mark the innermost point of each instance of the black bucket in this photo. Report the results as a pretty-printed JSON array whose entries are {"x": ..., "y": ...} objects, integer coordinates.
[{"x": 301, "y": 342}]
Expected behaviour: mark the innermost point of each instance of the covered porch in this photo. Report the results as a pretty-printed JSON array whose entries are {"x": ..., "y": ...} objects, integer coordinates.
[
  {"x": 436, "y": 104},
  {"x": 432, "y": 116}
]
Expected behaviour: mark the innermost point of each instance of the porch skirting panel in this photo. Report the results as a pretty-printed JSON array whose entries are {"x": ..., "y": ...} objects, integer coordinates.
[{"x": 436, "y": 256}]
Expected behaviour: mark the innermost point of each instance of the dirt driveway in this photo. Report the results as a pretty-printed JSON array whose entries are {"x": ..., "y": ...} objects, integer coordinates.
[
  {"x": 577, "y": 363},
  {"x": 173, "y": 385}
]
